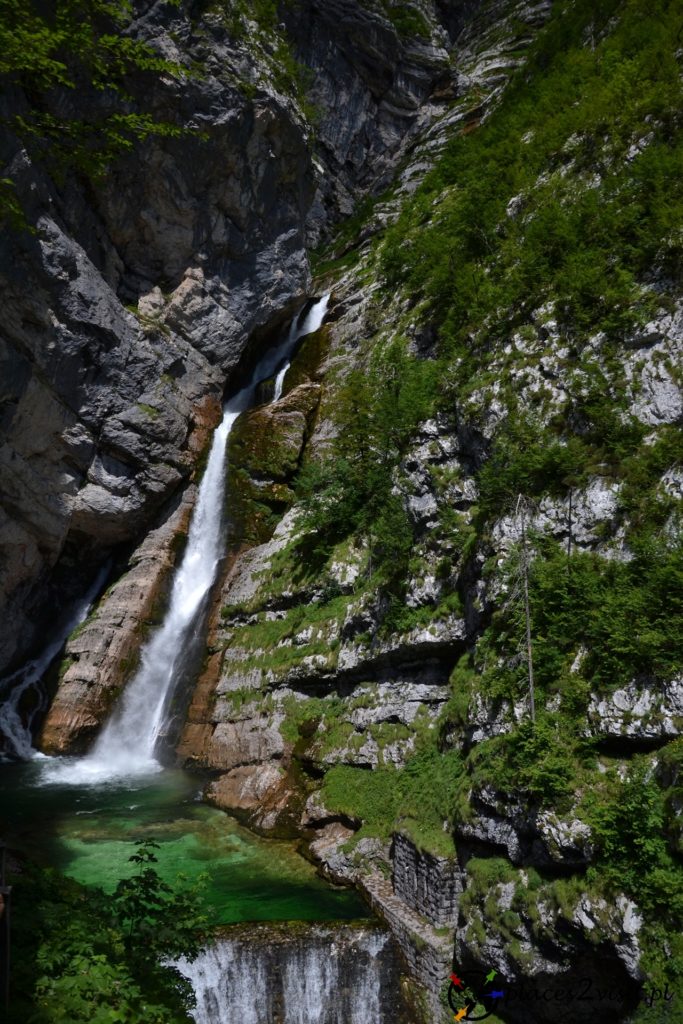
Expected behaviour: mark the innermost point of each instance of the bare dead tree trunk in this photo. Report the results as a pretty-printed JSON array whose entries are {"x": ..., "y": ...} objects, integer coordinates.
[
  {"x": 524, "y": 569},
  {"x": 570, "y": 527}
]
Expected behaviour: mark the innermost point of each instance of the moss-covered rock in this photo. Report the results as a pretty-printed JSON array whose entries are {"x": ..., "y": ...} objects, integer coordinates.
[{"x": 264, "y": 451}]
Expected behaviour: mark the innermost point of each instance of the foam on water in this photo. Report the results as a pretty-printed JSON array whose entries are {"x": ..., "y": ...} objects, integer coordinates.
[{"x": 126, "y": 747}]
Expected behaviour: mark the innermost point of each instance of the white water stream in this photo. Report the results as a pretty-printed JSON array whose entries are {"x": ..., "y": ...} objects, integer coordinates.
[
  {"x": 15, "y": 727},
  {"x": 126, "y": 746}
]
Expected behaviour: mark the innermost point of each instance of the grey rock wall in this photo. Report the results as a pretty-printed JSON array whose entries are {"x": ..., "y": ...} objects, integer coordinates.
[{"x": 133, "y": 301}]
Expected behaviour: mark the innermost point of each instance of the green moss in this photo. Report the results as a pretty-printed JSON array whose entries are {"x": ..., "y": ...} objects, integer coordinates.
[
  {"x": 269, "y": 645},
  {"x": 263, "y": 456},
  {"x": 486, "y": 872},
  {"x": 324, "y": 268},
  {"x": 399, "y": 618},
  {"x": 408, "y": 21},
  {"x": 149, "y": 410},
  {"x": 128, "y": 664},
  {"x": 64, "y": 665},
  {"x": 302, "y": 716},
  {"x": 306, "y": 363},
  {"x": 178, "y": 545}
]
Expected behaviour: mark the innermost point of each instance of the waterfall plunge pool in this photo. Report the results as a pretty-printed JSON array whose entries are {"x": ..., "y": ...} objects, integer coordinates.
[{"x": 89, "y": 832}]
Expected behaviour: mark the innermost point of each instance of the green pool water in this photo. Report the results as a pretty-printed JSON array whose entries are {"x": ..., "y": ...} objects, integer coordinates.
[{"x": 90, "y": 832}]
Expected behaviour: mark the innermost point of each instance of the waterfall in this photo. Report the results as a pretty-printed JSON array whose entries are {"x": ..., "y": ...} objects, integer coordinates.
[
  {"x": 126, "y": 746},
  {"x": 318, "y": 975},
  {"x": 16, "y": 729}
]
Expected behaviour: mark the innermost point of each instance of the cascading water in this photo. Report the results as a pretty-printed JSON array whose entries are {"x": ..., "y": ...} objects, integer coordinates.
[
  {"x": 261, "y": 973},
  {"x": 126, "y": 746},
  {"x": 319, "y": 975},
  {"x": 15, "y": 727}
]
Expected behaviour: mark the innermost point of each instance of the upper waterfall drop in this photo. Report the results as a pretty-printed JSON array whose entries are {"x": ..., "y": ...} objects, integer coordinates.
[{"x": 126, "y": 746}]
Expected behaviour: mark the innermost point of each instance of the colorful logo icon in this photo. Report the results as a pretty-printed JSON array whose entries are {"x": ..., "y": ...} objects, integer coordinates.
[{"x": 474, "y": 995}]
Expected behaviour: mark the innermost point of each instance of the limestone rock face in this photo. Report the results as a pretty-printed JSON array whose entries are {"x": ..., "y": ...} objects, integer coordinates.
[
  {"x": 608, "y": 970},
  {"x": 103, "y": 653},
  {"x": 259, "y": 794},
  {"x": 127, "y": 310},
  {"x": 638, "y": 713},
  {"x": 381, "y": 88},
  {"x": 265, "y": 449},
  {"x": 107, "y": 410},
  {"x": 528, "y": 836},
  {"x": 133, "y": 302}
]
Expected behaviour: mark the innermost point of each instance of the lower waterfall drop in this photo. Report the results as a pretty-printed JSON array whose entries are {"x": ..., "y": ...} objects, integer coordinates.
[
  {"x": 320, "y": 975},
  {"x": 126, "y": 747}
]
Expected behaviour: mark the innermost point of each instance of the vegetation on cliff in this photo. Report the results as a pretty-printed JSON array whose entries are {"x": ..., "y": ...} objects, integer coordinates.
[
  {"x": 553, "y": 231},
  {"x": 51, "y": 57},
  {"x": 508, "y": 296}
]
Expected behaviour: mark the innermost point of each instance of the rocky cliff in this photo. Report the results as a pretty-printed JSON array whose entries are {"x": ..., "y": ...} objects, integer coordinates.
[
  {"x": 445, "y": 648},
  {"x": 129, "y": 301}
]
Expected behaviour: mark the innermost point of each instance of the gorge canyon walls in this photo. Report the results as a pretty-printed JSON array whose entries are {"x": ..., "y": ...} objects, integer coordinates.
[{"x": 437, "y": 445}]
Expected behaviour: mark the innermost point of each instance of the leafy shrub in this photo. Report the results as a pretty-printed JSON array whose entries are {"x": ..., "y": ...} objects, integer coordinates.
[
  {"x": 98, "y": 959},
  {"x": 379, "y": 408},
  {"x": 634, "y": 856},
  {"x": 407, "y": 20},
  {"x": 539, "y": 762},
  {"x": 71, "y": 46},
  {"x": 625, "y": 616},
  {"x": 586, "y": 248}
]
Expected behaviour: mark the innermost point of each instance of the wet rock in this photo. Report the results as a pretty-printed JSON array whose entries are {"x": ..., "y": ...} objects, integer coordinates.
[
  {"x": 267, "y": 442},
  {"x": 261, "y": 795},
  {"x": 104, "y": 653},
  {"x": 255, "y": 739}
]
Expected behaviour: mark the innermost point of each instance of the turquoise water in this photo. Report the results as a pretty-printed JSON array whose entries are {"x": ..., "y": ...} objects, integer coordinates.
[{"x": 90, "y": 832}]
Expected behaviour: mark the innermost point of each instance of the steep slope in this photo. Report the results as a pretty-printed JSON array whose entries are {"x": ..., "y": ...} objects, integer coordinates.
[
  {"x": 130, "y": 300},
  {"x": 498, "y": 408}
]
